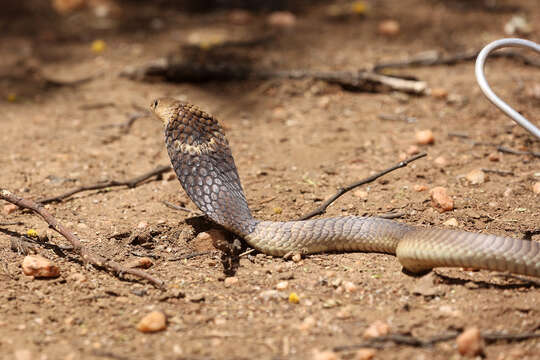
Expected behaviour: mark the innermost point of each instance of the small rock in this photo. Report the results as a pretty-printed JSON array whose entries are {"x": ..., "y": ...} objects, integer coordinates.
[
  {"x": 451, "y": 222},
  {"x": 378, "y": 328},
  {"x": 142, "y": 225},
  {"x": 476, "y": 177},
  {"x": 240, "y": 17},
  {"x": 143, "y": 263},
  {"x": 365, "y": 354},
  {"x": 10, "y": 208},
  {"x": 494, "y": 157},
  {"x": 209, "y": 241},
  {"x": 388, "y": 28},
  {"x": 297, "y": 257},
  {"x": 420, "y": 188},
  {"x": 77, "y": 277},
  {"x": 361, "y": 194},
  {"x": 307, "y": 324},
  {"x": 424, "y": 137},
  {"x": 231, "y": 280},
  {"x": 470, "y": 342},
  {"x": 507, "y": 192},
  {"x": 324, "y": 355},
  {"x": 294, "y": 298},
  {"x": 66, "y": 6},
  {"x": 413, "y": 150},
  {"x": 439, "y": 93},
  {"x": 268, "y": 295},
  {"x": 441, "y": 200},
  {"x": 349, "y": 286},
  {"x": 440, "y": 161},
  {"x": 282, "y": 285},
  {"x": 39, "y": 267},
  {"x": 517, "y": 25},
  {"x": 536, "y": 187},
  {"x": 283, "y": 19},
  {"x": 450, "y": 311},
  {"x": 153, "y": 322},
  {"x": 23, "y": 354}
]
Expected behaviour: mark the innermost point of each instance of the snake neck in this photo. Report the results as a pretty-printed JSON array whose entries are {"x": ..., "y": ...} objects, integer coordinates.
[{"x": 202, "y": 160}]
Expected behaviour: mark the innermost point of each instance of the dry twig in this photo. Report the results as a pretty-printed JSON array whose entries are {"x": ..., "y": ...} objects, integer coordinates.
[
  {"x": 408, "y": 340},
  {"x": 131, "y": 183},
  {"x": 86, "y": 255},
  {"x": 434, "y": 58},
  {"x": 186, "y": 70},
  {"x": 517, "y": 152},
  {"x": 179, "y": 208},
  {"x": 321, "y": 209}
]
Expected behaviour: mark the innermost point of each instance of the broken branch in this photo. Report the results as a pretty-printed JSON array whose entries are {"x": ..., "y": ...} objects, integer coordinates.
[
  {"x": 408, "y": 340},
  {"x": 86, "y": 255},
  {"x": 321, "y": 209},
  {"x": 131, "y": 183}
]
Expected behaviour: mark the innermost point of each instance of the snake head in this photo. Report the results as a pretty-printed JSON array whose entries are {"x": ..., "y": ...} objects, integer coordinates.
[{"x": 164, "y": 108}]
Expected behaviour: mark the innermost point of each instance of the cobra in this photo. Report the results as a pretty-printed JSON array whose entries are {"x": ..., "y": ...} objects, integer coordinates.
[{"x": 203, "y": 162}]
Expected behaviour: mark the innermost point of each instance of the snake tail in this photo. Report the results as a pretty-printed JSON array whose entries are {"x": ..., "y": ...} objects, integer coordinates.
[{"x": 203, "y": 162}]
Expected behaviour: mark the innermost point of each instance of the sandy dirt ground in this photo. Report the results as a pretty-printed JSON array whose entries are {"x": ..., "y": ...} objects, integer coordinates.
[{"x": 295, "y": 143}]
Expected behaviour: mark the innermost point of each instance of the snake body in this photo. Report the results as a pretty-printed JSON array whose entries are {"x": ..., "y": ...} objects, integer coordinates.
[{"x": 203, "y": 162}]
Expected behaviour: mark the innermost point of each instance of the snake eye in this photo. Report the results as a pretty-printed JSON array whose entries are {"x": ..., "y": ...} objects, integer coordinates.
[{"x": 155, "y": 104}]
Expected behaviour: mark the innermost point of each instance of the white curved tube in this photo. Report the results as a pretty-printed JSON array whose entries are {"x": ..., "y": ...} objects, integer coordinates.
[{"x": 481, "y": 79}]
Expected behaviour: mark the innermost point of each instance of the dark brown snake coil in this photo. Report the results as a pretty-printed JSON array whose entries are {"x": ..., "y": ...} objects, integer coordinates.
[{"x": 203, "y": 162}]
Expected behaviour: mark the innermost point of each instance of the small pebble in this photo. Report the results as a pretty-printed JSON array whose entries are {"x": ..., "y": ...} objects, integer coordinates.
[
  {"x": 365, "y": 354},
  {"x": 39, "y": 267},
  {"x": 424, "y": 137},
  {"x": 420, "y": 188},
  {"x": 23, "y": 354},
  {"x": 294, "y": 298},
  {"x": 210, "y": 240},
  {"x": 307, "y": 324},
  {"x": 296, "y": 257},
  {"x": 282, "y": 285},
  {"x": 11, "y": 208},
  {"x": 378, "y": 328},
  {"x": 324, "y": 355},
  {"x": 494, "y": 157},
  {"x": 470, "y": 342},
  {"x": 142, "y": 225},
  {"x": 451, "y": 222},
  {"x": 413, "y": 150},
  {"x": 476, "y": 177},
  {"x": 143, "y": 263},
  {"x": 153, "y": 322},
  {"x": 77, "y": 277},
  {"x": 240, "y": 17},
  {"x": 388, "y": 28},
  {"x": 441, "y": 200},
  {"x": 439, "y": 93},
  {"x": 282, "y": 19},
  {"x": 507, "y": 192},
  {"x": 450, "y": 311},
  {"x": 440, "y": 161},
  {"x": 268, "y": 295},
  {"x": 536, "y": 187},
  {"x": 349, "y": 286},
  {"x": 231, "y": 280},
  {"x": 361, "y": 194}
]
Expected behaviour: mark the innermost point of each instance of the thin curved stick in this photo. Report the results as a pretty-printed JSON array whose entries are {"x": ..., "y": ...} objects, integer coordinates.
[{"x": 482, "y": 82}]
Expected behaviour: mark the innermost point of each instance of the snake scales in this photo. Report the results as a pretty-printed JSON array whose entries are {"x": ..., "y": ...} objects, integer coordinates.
[{"x": 203, "y": 162}]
